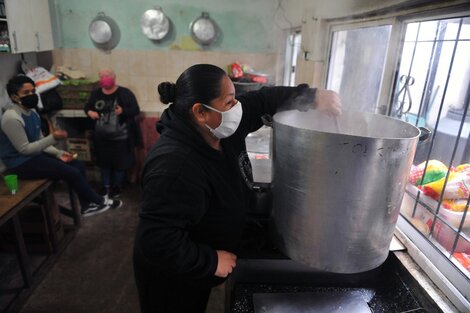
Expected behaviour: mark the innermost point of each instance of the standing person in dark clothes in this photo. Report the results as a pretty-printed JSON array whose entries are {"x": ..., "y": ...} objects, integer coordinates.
[
  {"x": 28, "y": 154},
  {"x": 196, "y": 185},
  {"x": 113, "y": 108}
]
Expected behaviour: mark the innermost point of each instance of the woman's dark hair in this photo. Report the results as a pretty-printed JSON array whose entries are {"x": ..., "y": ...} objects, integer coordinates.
[
  {"x": 16, "y": 83},
  {"x": 199, "y": 83}
]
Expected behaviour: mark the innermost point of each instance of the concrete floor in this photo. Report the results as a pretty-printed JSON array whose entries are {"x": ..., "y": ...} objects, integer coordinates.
[{"x": 94, "y": 273}]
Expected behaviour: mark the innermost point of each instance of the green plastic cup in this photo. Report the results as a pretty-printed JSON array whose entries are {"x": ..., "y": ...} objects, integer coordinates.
[{"x": 12, "y": 183}]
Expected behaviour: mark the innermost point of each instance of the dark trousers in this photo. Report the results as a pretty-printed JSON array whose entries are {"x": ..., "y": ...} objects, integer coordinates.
[
  {"x": 45, "y": 166},
  {"x": 112, "y": 177},
  {"x": 160, "y": 294}
]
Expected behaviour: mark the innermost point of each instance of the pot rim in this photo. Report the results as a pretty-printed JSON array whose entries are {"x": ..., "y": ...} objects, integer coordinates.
[{"x": 279, "y": 116}]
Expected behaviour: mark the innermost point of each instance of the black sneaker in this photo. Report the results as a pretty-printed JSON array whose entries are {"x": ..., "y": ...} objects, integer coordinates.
[
  {"x": 113, "y": 203},
  {"x": 114, "y": 193},
  {"x": 94, "y": 209}
]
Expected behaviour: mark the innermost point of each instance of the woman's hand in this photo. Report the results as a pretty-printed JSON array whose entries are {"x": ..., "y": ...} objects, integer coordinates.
[
  {"x": 59, "y": 134},
  {"x": 118, "y": 110},
  {"x": 327, "y": 101},
  {"x": 226, "y": 263},
  {"x": 93, "y": 115}
]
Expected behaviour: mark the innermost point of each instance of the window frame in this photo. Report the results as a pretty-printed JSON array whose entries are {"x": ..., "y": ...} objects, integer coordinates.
[
  {"x": 385, "y": 92},
  {"x": 442, "y": 271},
  {"x": 288, "y": 55}
]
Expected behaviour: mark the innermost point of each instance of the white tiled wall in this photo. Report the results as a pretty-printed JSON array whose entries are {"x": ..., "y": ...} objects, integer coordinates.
[{"x": 142, "y": 71}]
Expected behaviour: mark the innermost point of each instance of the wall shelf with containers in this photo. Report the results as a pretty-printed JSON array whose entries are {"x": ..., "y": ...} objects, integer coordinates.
[
  {"x": 25, "y": 26},
  {"x": 4, "y": 39}
]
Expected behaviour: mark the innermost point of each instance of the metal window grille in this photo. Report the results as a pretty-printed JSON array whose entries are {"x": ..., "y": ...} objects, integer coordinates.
[{"x": 432, "y": 89}]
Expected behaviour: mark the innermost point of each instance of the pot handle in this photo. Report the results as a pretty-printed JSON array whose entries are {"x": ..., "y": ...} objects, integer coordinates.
[
  {"x": 424, "y": 134},
  {"x": 267, "y": 120}
]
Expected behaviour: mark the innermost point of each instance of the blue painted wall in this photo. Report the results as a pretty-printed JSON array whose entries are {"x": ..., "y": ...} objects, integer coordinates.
[{"x": 246, "y": 25}]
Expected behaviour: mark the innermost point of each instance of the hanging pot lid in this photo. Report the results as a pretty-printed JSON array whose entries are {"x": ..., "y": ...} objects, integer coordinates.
[
  {"x": 155, "y": 24},
  {"x": 104, "y": 32},
  {"x": 204, "y": 30}
]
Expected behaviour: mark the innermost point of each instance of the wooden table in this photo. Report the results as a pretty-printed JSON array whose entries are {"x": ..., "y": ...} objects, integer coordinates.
[{"x": 11, "y": 205}]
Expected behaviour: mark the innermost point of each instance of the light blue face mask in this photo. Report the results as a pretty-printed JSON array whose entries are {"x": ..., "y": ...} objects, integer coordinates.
[{"x": 230, "y": 121}]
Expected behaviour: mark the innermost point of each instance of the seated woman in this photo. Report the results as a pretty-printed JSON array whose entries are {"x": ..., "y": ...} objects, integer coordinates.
[{"x": 28, "y": 154}]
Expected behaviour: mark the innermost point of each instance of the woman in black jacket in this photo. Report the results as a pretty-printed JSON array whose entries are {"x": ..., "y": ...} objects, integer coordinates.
[
  {"x": 113, "y": 109},
  {"x": 196, "y": 185}
]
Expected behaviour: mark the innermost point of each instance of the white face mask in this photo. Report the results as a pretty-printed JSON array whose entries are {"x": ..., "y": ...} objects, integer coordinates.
[{"x": 230, "y": 121}]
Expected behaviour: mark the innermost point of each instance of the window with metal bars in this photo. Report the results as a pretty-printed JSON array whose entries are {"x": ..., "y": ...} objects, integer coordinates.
[
  {"x": 422, "y": 67},
  {"x": 292, "y": 52},
  {"x": 432, "y": 90}
]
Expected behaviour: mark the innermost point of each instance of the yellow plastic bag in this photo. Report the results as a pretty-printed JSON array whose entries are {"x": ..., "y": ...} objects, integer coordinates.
[
  {"x": 457, "y": 186},
  {"x": 456, "y": 205},
  {"x": 434, "y": 171}
]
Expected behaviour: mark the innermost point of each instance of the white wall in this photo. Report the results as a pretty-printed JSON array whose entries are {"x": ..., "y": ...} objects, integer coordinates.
[
  {"x": 310, "y": 15},
  {"x": 299, "y": 12}
]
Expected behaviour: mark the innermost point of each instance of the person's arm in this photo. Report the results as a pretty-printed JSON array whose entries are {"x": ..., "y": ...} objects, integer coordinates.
[
  {"x": 90, "y": 103},
  {"x": 89, "y": 108},
  {"x": 269, "y": 100},
  {"x": 129, "y": 105},
  {"x": 53, "y": 151},
  {"x": 14, "y": 129},
  {"x": 171, "y": 203}
]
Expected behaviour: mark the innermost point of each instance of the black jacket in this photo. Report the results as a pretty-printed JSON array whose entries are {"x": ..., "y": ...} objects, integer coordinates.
[
  {"x": 195, "y": 198},
  {"x": 130, "y": 109}
]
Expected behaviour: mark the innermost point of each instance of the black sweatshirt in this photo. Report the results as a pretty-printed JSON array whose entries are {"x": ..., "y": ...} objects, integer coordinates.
[
  {"x": 194, "y": 197},
  {"x": 126, "y": 100}
]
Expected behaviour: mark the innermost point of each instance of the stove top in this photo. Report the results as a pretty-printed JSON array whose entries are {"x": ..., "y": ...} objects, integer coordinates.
[
  {"x": 318, "y": 302},
  {"x": 267, "y": 281},
  {"x": 267, "y": 285}
]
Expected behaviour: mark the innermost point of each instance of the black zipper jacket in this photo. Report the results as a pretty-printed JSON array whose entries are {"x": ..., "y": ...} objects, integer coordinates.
[{"x": 194, "y": 198}]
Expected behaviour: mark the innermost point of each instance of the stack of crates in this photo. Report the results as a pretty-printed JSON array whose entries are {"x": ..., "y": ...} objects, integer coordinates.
[
  {"x": 81, "y": 146},
  {"x": 75, "y": 93}
]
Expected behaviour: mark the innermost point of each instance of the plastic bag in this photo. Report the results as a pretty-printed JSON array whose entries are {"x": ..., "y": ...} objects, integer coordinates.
[
  {"x": 236, "y": 71},
  {"x": 456, "y": 188},
  {"x": 435, "y": 171},
  {"x": 43, "y": 80},
  {"x": 464, "y": 259},
  {"x": 456, "y": 205},
  {"x": 107, "y": 127},
  {"x": 463, "y": 168}
]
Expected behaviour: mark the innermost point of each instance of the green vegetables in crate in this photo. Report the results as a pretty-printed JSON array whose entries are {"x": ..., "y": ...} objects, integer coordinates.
[
  {"x": 83, "y": 95},
  {"x": 77, "y": 82}
]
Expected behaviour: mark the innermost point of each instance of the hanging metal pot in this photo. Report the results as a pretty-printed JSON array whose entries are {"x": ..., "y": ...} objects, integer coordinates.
[
  {"x": 104, "y": 32},
  {"x": 204, "y": 30},
  {"x": 155, "y": 24}
]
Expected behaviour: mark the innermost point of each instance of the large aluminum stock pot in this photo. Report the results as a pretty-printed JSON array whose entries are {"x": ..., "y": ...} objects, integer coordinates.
[{"x": 337, "y": 186}]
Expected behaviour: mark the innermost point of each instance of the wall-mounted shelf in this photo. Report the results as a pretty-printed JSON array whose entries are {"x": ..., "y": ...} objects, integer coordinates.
[
  {"x": 32, "y": 36},
  {"x": 4, "y": 40}
]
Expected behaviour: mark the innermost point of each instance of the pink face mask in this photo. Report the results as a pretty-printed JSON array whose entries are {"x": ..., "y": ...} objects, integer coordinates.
[{"x": 107, "y": 82}]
